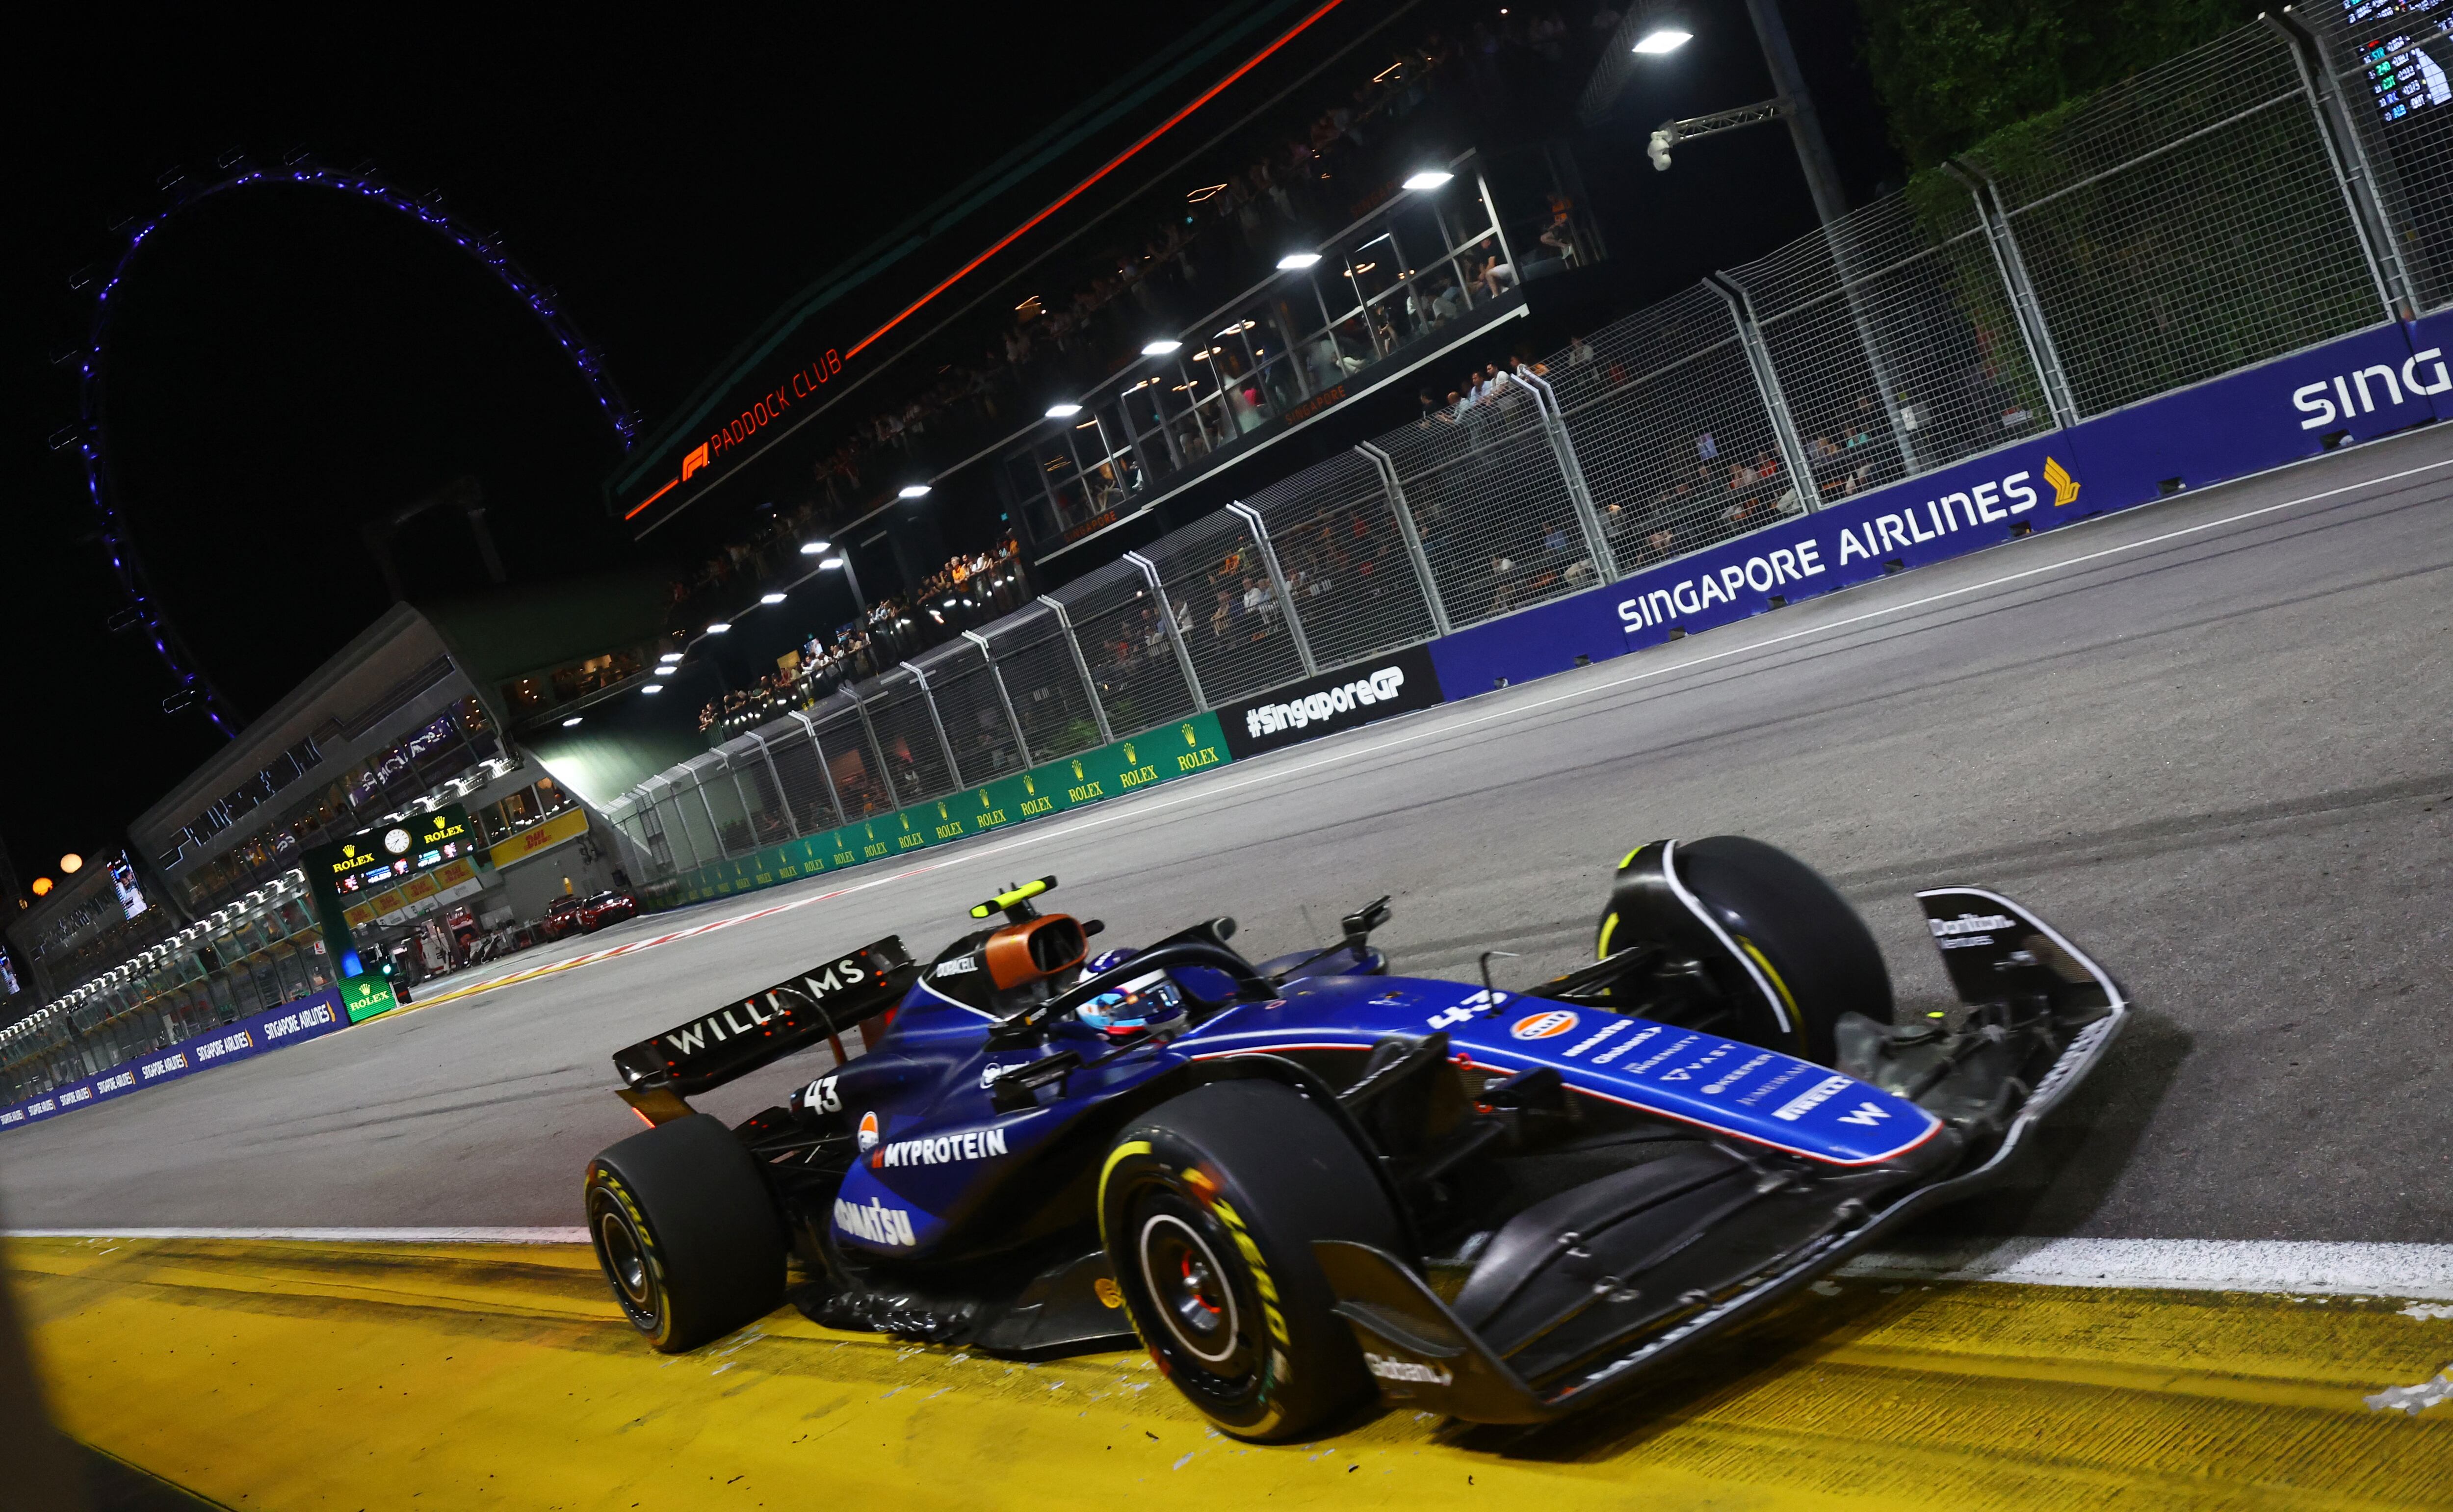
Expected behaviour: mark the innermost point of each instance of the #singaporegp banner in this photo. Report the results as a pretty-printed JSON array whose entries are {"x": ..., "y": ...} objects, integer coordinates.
[
  {"x": 2358, "y": 387},
  {"x": 309, "y": 1018}
]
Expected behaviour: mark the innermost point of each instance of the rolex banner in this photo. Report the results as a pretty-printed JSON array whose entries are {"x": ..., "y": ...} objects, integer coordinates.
[
  {"x": 1399, "y": 683},
  {"x": 1154, "y": 756}
]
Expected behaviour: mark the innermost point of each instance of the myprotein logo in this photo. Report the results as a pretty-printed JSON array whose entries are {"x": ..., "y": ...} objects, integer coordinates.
[
  {"x": 945, "y": 1149},
  {"x": 2330, "y": 401},
  {"x": 1396, "y": 685}
]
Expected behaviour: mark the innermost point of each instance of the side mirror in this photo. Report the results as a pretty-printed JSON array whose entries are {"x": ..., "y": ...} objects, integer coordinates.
[{"x": 1358, "y": 925}]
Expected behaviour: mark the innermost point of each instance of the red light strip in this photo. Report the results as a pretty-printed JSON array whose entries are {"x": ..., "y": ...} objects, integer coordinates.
[
  {"x": 653, "y": 497},
  {"x": 1073, "y": 193}
]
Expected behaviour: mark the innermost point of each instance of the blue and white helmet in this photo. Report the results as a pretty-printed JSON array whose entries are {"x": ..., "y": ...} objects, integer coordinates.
[{"x": 1120, "y": 1011}]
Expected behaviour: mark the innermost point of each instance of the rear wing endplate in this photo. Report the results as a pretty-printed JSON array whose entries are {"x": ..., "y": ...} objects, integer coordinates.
[{"x": 809, "y": 1006}]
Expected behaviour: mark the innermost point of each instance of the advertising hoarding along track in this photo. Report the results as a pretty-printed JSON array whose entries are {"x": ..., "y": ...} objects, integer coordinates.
[
  {"x": 2363, "y": 387},
  {"x": 309, "y": 1018},
  {"x": 1399, "y": 683},
  {"x": 1127, "y": 765}
]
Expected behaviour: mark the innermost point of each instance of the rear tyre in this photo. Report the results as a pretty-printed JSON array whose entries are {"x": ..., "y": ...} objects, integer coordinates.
[
  {"x": 685, "y": 1229},
  {"x": 1817, "y": 953},
  {"x": 1208, "y": 1207}
]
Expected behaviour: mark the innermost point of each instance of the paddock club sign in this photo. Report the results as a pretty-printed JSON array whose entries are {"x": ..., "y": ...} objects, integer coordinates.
[{"x": 1399, "y": 683}]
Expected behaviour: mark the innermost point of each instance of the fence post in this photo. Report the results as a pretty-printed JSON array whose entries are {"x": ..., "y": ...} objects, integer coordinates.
[
  {"x": 876, "y": 748},
  {"x": 1554, "y": 425},
  {"x": 2348, "y": 157},
  {"x": 1277, "y": 582},
  {"x": 1383, "y": 465},
  {"x": 818, "y": 748},
  {"x": 749, "y": 806},
  {"x": 668, "y": 815},
  {"x": 1082, "y": 665},
  {"x": 714, "y": 825},
  {"x": 2024, "y": 308},
  {"x": 1167, "y": 617},
  {"x": 1783, "y": 428},
  {"x": 996, "y": 675},
  {"x": 953, "y": 768},
  {"x": 791, "y": 819},
  {"x": 1490, "y": 205}
]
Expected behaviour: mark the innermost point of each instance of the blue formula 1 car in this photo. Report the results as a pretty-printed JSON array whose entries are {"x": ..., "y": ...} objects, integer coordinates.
[{"x": 1303, "y": 1180}]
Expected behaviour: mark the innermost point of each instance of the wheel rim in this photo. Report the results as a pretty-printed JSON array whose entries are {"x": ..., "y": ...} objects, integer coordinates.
[
  {"x": 623, "y": 1253},
  {"x": 1190, "y": 1286},
  {"x": 625, "y": 1260}
]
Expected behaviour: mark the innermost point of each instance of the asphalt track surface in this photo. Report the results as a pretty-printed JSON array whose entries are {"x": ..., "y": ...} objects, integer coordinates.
[{"x": 2208, "y": 739}]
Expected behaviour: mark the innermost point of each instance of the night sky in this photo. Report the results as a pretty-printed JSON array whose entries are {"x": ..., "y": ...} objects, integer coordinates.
[{"x": 287, "y": 365}]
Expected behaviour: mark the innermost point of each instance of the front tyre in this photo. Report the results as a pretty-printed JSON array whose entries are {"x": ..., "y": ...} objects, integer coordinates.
[
  {"x": 686, "y": 1231},
  {"x": 1809, "y": 943},
  {"x": 1208, "y": 1207}
]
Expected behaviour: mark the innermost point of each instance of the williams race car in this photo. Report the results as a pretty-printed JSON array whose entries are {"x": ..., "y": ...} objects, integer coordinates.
[{"x": 1299, "y": 1181}]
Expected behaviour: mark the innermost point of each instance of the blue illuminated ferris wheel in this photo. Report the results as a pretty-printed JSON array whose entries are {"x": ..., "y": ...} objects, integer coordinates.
[{"x": 91, "y": 434}]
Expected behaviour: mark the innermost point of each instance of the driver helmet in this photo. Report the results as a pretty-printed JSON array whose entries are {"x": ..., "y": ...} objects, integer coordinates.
[{"x": 1121, "y": 1012}]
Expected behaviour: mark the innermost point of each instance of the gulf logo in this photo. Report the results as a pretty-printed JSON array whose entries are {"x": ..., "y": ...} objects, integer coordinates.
[
  {"x": 1543, "y": 1025},
  {"x": 869, "y": 1132}
]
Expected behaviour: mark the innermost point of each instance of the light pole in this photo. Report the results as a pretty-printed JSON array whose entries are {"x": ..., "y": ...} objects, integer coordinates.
[
  {"x": 1658, "y": 29},
  {"x": 1805, "y": 126}
]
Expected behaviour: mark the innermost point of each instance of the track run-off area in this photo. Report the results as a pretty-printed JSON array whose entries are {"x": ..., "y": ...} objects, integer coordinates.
[{"x": 2211, "y": 739}]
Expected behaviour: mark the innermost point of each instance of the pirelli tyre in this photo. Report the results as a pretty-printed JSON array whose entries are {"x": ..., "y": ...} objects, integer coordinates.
[
  {"x": 1818, "y": 955},
  {"x": 687, "y": 1232},
  {"x": 1208, "y": 1206}
]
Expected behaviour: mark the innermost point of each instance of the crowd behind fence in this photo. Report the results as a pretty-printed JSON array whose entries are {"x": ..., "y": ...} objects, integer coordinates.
[{"x": 2238, "y": 203}]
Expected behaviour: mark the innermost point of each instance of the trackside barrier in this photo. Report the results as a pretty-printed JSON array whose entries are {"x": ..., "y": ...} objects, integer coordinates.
[
  {"x": 1157, "y": 756},
  {"x": 2360, "y": 388},
  {"x": 309, "y": 1018},
  {"x": 2226, "y": 262}
]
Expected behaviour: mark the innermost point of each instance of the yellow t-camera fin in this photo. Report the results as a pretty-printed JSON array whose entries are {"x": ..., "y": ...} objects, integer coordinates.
[{"x": 1013, "y": 899}]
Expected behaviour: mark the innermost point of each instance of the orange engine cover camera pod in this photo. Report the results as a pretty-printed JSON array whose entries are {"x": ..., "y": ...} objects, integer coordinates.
[{"x": 1034, "y": 949}]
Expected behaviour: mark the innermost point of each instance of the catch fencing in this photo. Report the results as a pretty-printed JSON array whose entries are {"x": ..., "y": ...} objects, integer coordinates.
[{"x": 2250, "y": 199}]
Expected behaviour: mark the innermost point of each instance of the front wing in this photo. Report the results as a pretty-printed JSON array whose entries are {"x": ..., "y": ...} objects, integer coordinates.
[{"x": 1424, "y": 1355}]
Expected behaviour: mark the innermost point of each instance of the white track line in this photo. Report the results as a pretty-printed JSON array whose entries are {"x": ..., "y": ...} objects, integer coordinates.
[
  {"x": 324, "y": 1236},
  {"x": 2294, "y": 1267},
  {"x": 1141, "y": 805}
]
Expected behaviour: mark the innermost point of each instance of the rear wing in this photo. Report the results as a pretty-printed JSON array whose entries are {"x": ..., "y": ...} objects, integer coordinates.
[{"x": 768, "y": 1025}]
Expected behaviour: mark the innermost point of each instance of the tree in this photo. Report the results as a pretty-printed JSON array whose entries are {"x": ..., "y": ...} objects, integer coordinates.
[{"x": 1951, "y": 72}]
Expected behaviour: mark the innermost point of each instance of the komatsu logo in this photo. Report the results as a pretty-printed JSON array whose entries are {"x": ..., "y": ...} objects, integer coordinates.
[{"x": 875, "y": 1222}]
